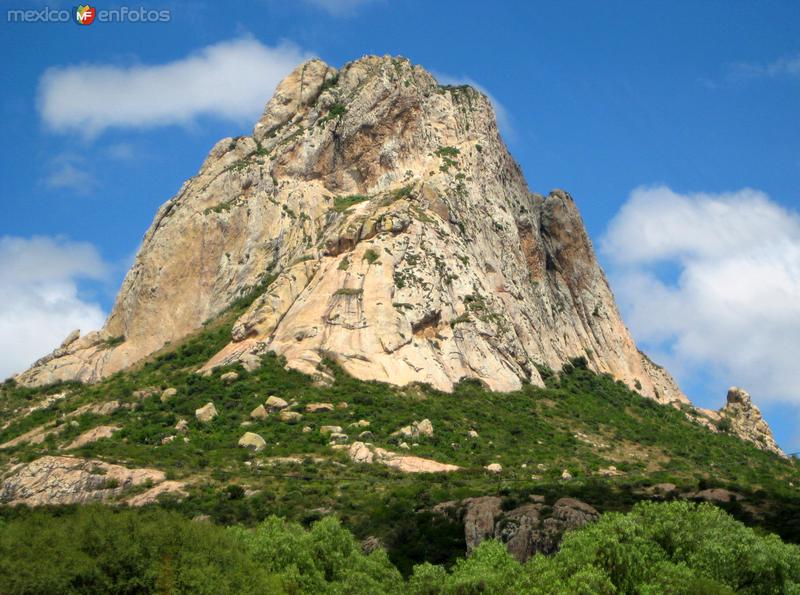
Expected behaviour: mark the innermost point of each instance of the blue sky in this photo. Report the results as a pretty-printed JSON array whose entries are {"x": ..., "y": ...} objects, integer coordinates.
[{"x": 636, "y": 108}]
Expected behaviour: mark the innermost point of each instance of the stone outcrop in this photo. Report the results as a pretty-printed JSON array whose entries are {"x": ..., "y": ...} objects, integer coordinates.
[
  {"x": 362, "y": 452},
  {"x": 745, "y": 420},
  {"x": 401, "y": 236},
  {"x": 92, "y": 435},
  {"x": 526, "y": 530},
  {"x": 70, "y": 480}
]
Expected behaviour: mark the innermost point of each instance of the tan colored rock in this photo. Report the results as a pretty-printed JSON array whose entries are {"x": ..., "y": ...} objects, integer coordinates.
[
  {"x": 168, "y": 394},
  {"x": 360, "y": 453},
  {"x": 276, "y": 403},
  {"x": 472, "y": 434},
  {"x": 106, "y": 408},
  {"x": 566, "y": 475},
  {"x": 168, "y": 439},
  {"x": 259, "y": 412},
  {"x": 342, "y": 405},
  {"x": 319, "y": 407},
  {"x": 361, "y": 423},
  {"x": 338, "y": 438},
  {"x": 151, "y": 496},
  {"x": 92, "y": 435},
  {"x": 252, "y": 441},
  {"x": 416, "y": 430},
  {"x": 70, "y": 480},
  {"x": 746, "y": 422},
  {"x": 330, "y": 429},
  {"x": 494, "y": 468},
  {"x": 182, "y": 426},
  {"x": 206, "y": 413},
  {"x": 306, "y": 429},
  {"x": 290, "y": 417},
  {"x": 35, "y": 436},
  {"x": 493, "y": 279},
  {"x": 229, "y": 377}
]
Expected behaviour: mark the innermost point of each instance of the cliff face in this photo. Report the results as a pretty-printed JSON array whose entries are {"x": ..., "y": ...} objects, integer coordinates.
[{"x": 402, "y": 236}]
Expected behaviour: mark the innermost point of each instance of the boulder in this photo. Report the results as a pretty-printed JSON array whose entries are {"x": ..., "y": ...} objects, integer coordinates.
[
  {"x": 359, "y": 453},
  {"x": 274, "y": 403},
  {"x": 319, "y": 407},
  {"x": 290, "y": 417},
  {"x": 566, "y": 475},
  {"x": 252, "y": 441},
  {"x": 338, "y": 438},
  {"x": 494, "y": 468},
  {"x": 472, "y": 434},
  {"x": 206, "y": 413},
  {"x": 330, "y": 429},
  {"x": 229, "y": 377},
  {"x": 182, "y": 426},
  {"x": 168, "y": 393},
  {"x": 259, "y": 412}
]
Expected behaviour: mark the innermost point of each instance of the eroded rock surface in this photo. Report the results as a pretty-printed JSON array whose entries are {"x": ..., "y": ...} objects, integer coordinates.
[
  {"x": 527, "y": 529},
  {"x": 70, "y": 480}
]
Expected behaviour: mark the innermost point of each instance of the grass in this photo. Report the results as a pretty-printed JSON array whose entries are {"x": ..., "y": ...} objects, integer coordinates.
[{"x": 342, "y": 203}]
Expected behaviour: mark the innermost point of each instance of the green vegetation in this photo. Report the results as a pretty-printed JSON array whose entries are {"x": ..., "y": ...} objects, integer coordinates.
[
  {"x": 342, "y": 203},
  {"x": 349, "y": 291},
  {"x": 580, "y": 421},
  {"x": 335, "y": 113},
  {"x": 657, "y": 548},
  {"x": 371, "y": 256},
  {"x": 114, "y": 341}
]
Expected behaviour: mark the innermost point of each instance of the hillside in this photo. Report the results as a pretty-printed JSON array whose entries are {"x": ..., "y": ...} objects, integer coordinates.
[{"x": 580, "y": 422}]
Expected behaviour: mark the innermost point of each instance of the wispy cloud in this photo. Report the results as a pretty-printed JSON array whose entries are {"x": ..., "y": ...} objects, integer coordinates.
[
  {"x": 231, "y": 80},
  {"x": 40, "y": 297},
  {"x": 730, "y": 307},
  {"x": 783, "y": 67},
  {"x": 70, "y": 172},
  {"x": 503, "y": 115},
  {"x": 340, "y": 8}
]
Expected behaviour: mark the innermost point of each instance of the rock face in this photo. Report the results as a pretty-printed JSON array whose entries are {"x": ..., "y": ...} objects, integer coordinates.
[
  {"x": 746, "y": 421},
  {"x": 525, "y": 530},
  {"x": 70, "y": 480},
  {"x": 361, "y": 452},
  {"x": 402, "y": 236}
]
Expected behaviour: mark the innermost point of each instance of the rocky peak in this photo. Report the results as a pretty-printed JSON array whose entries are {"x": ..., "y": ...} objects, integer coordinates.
[
  {"x": 402, "y": 238},
  {"x": 746, "y": 422}
]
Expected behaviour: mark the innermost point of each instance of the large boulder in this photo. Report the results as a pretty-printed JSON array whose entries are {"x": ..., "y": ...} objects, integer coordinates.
[
  {"x": 206, "y": 413},
  {"x": 252, "y": 441}
]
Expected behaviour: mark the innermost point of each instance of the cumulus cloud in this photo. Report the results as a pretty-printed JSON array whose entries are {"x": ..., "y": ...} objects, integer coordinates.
[
  {"x": 503, "y": 115},
  {"x": 712, "y": 281},
  {"x": 231, "y": 80},
  {"x": 40, "y": 301}
]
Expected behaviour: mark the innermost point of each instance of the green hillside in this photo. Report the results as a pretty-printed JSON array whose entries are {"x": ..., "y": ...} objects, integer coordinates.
[{"x": 581, "y": 422}]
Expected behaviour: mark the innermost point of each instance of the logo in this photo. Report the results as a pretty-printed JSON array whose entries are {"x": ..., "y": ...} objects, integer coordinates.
[{"x": 85, "y": 14}]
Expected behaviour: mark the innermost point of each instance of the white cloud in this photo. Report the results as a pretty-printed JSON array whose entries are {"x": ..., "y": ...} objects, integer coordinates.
[
  {"x": 231, "y": 80},
  {"x": 712, "y": 281},
  {"x": 503, "y": 115},
  {"x": 339, "y": 7},
  {"x": 40, "y": 302}
]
